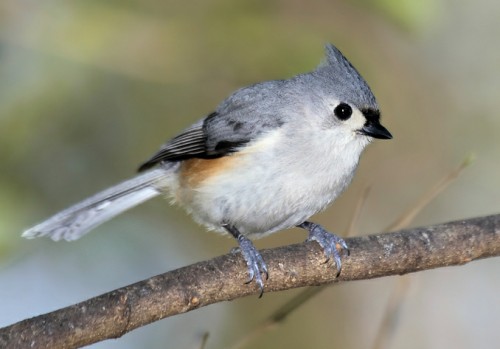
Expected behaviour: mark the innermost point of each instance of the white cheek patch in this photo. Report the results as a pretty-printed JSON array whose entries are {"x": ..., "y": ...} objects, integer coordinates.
[{"x": 357, "y": 120}]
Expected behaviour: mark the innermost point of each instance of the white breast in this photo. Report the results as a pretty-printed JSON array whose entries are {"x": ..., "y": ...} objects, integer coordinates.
[{"x": 274, "y": 183}]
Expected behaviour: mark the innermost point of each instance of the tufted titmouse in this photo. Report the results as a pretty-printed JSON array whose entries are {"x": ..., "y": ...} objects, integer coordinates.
[{"x": 270, "y": 156}]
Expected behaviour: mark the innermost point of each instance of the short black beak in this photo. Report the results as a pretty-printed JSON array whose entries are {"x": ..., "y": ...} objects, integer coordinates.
[{"x": 375, "y": 130}]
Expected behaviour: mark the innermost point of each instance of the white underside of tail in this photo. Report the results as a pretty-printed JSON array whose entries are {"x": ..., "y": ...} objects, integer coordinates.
[{"x": 79, "y": 219}]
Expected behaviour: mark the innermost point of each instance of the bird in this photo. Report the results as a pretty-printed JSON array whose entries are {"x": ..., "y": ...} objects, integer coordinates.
[{"x": 269, "y": 156}]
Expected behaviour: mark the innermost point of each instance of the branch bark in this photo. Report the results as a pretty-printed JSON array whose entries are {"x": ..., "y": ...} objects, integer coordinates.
[{"x": 113, "y": 314}]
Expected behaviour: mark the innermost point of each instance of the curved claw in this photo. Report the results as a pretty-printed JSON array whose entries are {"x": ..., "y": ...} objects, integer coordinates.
[
  {"x": 255, "y": 263},
  {"x": 328, "y": 242}
]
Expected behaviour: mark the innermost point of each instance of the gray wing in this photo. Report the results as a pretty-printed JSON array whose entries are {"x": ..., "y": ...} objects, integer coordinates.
[
  {"x": 190, "y": 143},
  {"x": 238, "y": 120}
]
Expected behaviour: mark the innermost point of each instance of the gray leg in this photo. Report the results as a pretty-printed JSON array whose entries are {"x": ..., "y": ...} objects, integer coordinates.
[
  {"x": 327, "y": 241},
  {"x": 255, "y": 263}
]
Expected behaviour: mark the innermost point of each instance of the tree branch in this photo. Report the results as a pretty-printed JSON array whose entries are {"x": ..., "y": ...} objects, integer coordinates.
[{"x": 113, "y": 314}]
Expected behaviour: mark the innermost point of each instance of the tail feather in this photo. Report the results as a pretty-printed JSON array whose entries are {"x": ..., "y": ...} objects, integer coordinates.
[{"x": 79, "y": 219}]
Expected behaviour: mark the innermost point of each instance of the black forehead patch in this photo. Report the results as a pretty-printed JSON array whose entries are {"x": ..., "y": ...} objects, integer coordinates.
[{"x": 371, "y": 115}]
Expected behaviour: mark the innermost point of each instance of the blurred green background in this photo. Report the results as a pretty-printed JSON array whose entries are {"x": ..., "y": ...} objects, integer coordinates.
[{"x": 89, "y": 89}]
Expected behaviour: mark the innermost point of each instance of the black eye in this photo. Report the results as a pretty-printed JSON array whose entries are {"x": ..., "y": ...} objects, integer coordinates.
[{"x": 343, "y": 111}]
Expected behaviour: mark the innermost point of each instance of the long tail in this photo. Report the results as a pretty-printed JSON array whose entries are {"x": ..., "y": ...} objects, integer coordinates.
[{"x": 79, "y": 219}]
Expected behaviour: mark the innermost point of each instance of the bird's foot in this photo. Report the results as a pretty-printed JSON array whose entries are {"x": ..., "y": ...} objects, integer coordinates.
[
  {"x": 255, "y": 263},
  {"x": 327, "y": 241}
]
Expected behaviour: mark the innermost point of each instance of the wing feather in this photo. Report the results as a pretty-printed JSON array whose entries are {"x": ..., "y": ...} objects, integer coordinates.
[
  {"x": 190, "y": 143},
  {"x": 239, "y": 119}
]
